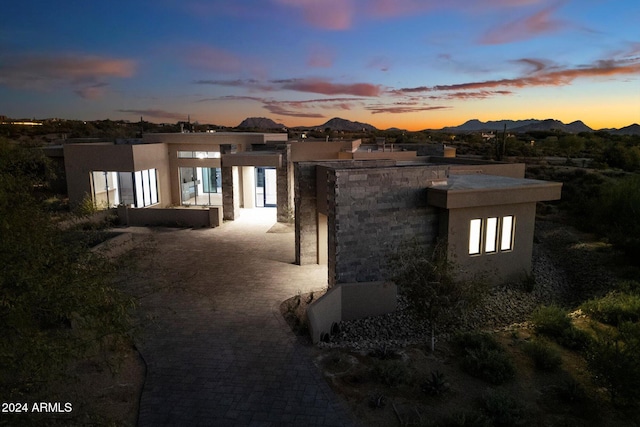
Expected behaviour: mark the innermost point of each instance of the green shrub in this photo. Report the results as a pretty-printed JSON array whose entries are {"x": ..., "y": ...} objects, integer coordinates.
[
  {"x": 544, "y": 357},
  {"x": 484, "y": 358},
  {"x": 614, "y": 308},
  {"x": 392, "y": 372},
  {"x": 503, "y": 410},
  {"x": 614, "y": 361},
  {"x": 575, "y": 339},
  {"x": 551, "y": 321}
]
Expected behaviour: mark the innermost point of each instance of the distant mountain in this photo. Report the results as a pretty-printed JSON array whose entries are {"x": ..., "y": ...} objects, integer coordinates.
[
  {"x": 260, "y": 123},
  {"x": 633, "y": 129},
  {"x": 520, "y": 126},
  {"x": 477, "y": 126},
  {"x": 346, "y": 125}
]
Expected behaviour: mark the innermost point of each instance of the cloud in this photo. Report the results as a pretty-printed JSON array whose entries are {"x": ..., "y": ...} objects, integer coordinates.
[
  {"x": 242, "y": 83},
  {"x": 86, "y": 73},
  {"x": 325, "y": 14},
  {"x": 300, "y": 108},
  {"x": 534, "y": 65},
  {"x": 545, "y": 76},
  {"x": 92, "y": 92},
  {"x": 159, "y": 114},
  {"x": 310, "y": 85},
  {"x": 326, "y": 87},
  {"x": 541, "y": 22},
  {"x": 401, "y": 109}
]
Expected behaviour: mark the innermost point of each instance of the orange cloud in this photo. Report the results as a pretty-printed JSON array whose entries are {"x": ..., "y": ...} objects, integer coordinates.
[
  {"x": 36, "y": 69},
  {"x": 327, "y": 88},
  {"x": 86, "y": 73},
  {"x": 539, "y": 23}
]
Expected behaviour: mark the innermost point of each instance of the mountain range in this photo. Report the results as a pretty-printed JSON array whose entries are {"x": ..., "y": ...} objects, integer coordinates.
[{"x": 513, "y": 126}]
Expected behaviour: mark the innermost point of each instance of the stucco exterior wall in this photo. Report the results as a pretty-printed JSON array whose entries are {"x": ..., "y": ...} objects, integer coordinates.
[
  {"x": 497, "y": 267},
  {"x": 82, "y": 159}
]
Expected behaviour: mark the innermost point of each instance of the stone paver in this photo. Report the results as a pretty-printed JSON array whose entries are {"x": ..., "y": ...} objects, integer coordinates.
[{"x": 218, "y": 353}]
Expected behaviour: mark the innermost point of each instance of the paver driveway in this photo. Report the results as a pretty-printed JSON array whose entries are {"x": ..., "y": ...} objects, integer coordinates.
[{"x": 217, "y": 350}]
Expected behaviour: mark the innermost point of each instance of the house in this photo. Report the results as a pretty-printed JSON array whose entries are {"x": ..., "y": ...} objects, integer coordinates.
[{"x": 354, "y": 204}]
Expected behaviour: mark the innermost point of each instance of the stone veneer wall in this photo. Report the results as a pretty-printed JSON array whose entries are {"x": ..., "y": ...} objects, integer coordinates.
[
  {"x": 284, "y": 181},
  {"x": 305, "y": 213},
  {"x": 372, "y": 211},
  {"x": 230, "y": 190}
]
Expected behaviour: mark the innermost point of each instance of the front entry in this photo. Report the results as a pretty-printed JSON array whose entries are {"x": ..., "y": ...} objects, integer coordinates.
[{"x": 266, "y": 187}]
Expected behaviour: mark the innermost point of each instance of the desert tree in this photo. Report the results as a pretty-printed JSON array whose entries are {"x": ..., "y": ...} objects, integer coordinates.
[{"x": 426, "y": 276}]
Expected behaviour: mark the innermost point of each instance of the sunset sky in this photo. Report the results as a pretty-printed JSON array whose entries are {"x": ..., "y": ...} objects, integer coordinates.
[{"x": 412, "y": 64}]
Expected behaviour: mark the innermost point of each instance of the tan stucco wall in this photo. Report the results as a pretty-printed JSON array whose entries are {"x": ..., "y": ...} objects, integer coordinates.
[
  {"x": 320, "y": 150},
  {"x": 82, "y": 159},
  {"x": 499, "y": 267}
]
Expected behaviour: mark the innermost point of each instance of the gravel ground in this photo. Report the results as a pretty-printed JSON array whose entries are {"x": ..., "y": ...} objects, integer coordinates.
[{"x": 565, "y": 271}]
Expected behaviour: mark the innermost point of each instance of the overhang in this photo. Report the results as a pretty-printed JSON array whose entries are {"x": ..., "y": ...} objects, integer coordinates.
[
  {"x": 252, "y": 158},
  {"x": 464, "y": 191}
]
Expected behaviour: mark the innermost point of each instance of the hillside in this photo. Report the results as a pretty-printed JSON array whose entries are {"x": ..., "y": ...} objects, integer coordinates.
[
  {"x": 520, "y": 126},
  {"x": 259, "y": 123}
]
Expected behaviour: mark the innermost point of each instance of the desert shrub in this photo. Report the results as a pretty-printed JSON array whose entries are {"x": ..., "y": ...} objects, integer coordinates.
[
  {"x": 543, "y": 355},
  {"x": 614, "y": 308},
  {"x": 436, "y": 384},
  {"x": 503, "y": 410},
  {"x": 575, "y": 339},
  {"x": 392, "y": 372},
  {"x": 385, "y": 352},
  {"x": 484, "y": 358},
  {"x": 614, "y": 361},
  {"x": 551, "y": 321}
]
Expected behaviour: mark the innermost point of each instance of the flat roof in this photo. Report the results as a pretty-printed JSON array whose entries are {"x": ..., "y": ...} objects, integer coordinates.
[{"x": 464, "y": 191}]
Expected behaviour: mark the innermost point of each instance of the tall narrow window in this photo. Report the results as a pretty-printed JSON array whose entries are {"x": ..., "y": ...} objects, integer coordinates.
[
  {"x": 491, "y": 235},
  {"x": 506, "y": 240},
  {"x": 475, "y": 233}
]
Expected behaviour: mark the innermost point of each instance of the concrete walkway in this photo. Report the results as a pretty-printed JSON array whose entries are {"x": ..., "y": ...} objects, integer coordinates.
[{"x": 217, "y": 350}]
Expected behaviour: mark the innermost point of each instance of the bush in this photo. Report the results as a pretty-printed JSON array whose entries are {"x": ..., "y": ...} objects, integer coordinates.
[
  {"x": 436, "y": 385},
  {"x": 614, "y": 308},
  {"x": 392, "y": 372},
  {"x": 503, "y": 410},
  {"x": 551, "y": 321},
  {"x": 544, "y": 357},
  {"x": 614, "y": 361},
  {"x": 484, "y": 358}
]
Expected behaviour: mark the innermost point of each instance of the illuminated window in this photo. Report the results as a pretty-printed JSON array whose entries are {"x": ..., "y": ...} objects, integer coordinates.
[
  {"x": 484, "y": 235},
  {"x": 475, "y": 236},
  {"x": 491, "y": 235},
  {"x": 506, "y": 240}
]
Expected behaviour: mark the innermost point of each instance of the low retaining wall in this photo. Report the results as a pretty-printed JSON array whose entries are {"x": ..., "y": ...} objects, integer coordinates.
[
  {"x": 350, "y": 301},
  {"x": 173, "y": 217}
]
